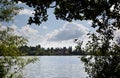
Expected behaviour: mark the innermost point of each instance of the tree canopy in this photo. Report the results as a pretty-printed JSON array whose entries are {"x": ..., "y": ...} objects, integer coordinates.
[
  {"x": 73, "y": 9},
  {"x": 10, "y": 43},
  {"x": 8, "y": 9}
]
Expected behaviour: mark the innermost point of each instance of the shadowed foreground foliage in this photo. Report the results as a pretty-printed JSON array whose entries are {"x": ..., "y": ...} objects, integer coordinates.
[
  {"x": 11, "y": 64},
  {"x": 11, "y": 61},
  {"x": 72, "y": 9}
]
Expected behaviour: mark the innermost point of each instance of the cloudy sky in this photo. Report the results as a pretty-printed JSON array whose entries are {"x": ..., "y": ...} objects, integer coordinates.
[{"x": 53, "y": 33}]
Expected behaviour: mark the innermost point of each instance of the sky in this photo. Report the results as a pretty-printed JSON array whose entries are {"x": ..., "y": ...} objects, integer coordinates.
[{"x": 53, "y": 33}]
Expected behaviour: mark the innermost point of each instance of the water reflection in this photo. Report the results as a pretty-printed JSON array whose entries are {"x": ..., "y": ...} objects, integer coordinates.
[{"x": 56, "y": 67}]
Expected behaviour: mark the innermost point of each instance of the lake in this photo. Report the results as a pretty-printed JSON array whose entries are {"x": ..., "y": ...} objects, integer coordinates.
[{"x": 55, "y": 67}]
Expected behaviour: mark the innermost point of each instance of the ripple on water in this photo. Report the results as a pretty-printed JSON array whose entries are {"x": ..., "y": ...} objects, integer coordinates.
[{"x": 55, "y": 67}]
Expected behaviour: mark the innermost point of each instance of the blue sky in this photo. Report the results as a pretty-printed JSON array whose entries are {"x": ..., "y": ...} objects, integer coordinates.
[{"x": 53, "y": 33}]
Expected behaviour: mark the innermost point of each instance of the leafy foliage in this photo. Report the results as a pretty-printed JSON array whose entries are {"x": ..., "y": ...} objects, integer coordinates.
[
  {"x": 11, "y": 64},
  {"x": 73, "y": 10},
  {"x": 103, "y": 61},
  {"x": 8, "y": 9}
]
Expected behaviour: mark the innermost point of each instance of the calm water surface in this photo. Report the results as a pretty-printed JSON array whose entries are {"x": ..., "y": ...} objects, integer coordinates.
[{"x": 55, "y": 67}]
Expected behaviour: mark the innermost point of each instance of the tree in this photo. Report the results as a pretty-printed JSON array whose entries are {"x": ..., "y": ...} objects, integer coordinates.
[
  {"x": 72, "y": 10},
  {"x": 10, "y": 55},
  {"x": 8, "y": 9},
  {"x": 103, "y": 61},
  {"x": 9, "y": 51},
  {"x": 11, "y": 64}
]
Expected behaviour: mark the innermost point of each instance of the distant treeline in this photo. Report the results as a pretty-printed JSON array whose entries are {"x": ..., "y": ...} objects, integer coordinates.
[{"x": 38, "y": 50}]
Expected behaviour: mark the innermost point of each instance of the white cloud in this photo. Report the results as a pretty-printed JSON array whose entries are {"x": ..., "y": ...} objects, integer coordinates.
[
  {"x": 33, "y": 35},
  {"x": 58, "y": 38},
  {"x": 45, "y": 27},
  {"x": 117, "y": 34},
  {"x": 112, "y": 8},
  {"x": 65, "y": 36},
  {"x": 26, "y": 12},
  {"x": 67, "y": 32},
  {"x": 89, "y": 22},
  {"x": 19, "y": 2},
  {"x": 25, "y": 30},
  {"x": 61, "y": 44},
  {"x": 28, "y": 29},
  {"x": 2, "y": 28}
]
